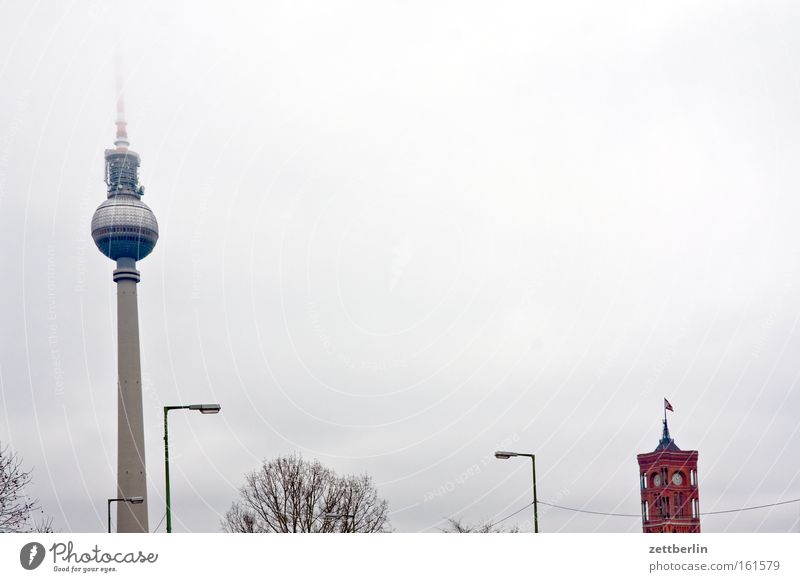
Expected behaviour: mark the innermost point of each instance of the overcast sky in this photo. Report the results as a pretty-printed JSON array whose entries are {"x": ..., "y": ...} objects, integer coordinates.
[{"x": 397, "y": 236}]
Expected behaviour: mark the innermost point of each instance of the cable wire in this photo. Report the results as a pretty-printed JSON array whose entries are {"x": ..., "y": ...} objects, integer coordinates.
[
  {"x": 499, "y": 521},
  {"x": 160, "y": 522},
  {"x": 588, "y": 511},
  {"x": 638, "y": 515},
  {"x": 523, "y": 508},
  {"x": 752, "y": 507}
]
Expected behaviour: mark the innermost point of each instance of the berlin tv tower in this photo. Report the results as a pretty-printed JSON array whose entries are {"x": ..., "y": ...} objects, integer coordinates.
[{"x": 125, "y": 230}]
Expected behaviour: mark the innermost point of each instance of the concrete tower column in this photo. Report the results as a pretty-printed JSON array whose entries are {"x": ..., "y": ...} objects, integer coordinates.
[{"x": 131, "y": 474}]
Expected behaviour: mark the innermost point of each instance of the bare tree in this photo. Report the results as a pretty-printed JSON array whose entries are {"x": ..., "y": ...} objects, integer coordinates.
[
  {"x": 289, "y": 495},
  {"x": 456, "y": 525},
  {"x": 15, "y": 506}
]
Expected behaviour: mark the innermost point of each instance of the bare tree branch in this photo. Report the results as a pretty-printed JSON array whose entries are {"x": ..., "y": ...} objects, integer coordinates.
[
  {"x": 16, "y": 507},
  {"x": 289, "y": 494},
  {"x": 456, "y": 525}
]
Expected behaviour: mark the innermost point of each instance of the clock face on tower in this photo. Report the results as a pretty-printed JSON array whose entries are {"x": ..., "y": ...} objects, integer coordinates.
[
  {"x": 677, "y": 478},
  {"x": 657, "y": 480}
]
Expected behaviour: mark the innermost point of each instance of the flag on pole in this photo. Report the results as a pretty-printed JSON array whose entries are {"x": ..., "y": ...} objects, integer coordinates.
[{"x": 668, "y": 406}]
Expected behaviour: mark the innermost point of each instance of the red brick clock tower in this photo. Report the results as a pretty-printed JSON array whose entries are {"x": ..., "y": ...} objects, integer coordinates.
[{"x": 668, "y": 482}]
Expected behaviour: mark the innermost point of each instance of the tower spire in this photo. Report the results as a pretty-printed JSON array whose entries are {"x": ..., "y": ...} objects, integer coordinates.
[
  {"x": 665, "y": 438},
  {"x": 121, "y": 141},
  {"x": 122, "y": 163},
  {"x": 666, "y": 442},
  {"x": 122, "y": 126}
]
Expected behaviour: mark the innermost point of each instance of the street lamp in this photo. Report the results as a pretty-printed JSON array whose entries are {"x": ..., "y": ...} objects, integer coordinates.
[
  {"x": 204, "y": 409},
  {"x": 345, "y": 516},
  {"x": 507, "y": 455},
  {"x": 135, "y": 500}
]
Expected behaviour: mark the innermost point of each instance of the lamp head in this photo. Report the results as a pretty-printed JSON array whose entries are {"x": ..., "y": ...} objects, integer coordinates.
[
  {"x": 206, "y": 408},
  {"x": 135, "y": 500},
  {"x": 504, "y": 454}
]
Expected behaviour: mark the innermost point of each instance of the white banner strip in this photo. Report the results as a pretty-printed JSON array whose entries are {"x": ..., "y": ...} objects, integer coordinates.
[{"x": 399, "y": 556}]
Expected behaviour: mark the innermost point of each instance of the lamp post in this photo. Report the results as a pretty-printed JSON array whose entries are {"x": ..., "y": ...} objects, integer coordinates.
[
  {"x": 352, "y": 516},
  {"x": 204, "y": 409},
  {"x": 134, "y": 500},
  {"x": 507, "y": 455}
]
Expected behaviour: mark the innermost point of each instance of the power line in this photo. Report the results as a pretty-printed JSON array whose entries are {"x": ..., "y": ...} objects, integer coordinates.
[
  {"x": 588, "y": 511},
  {"x": 609, "y": 514},
  {"x": 499, "y": 521},
  {"x": 753, "y": 507},
  {"x": 160, "y": 522},
  {"x": 638, "y": 515}
]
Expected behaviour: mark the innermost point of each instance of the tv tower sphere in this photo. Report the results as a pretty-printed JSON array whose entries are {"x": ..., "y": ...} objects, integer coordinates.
[{"x": 123, "y": 226}]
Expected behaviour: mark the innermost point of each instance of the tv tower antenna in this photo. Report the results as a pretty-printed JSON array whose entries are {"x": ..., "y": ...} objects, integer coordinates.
[{"x": 122, "y": 125}]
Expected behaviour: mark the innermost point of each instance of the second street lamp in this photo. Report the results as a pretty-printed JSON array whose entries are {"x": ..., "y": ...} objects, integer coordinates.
[
  {"x": 204, "y": 409},
  {"x": 135, "y": 500},
  {"x": 507, "y": 455}
]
